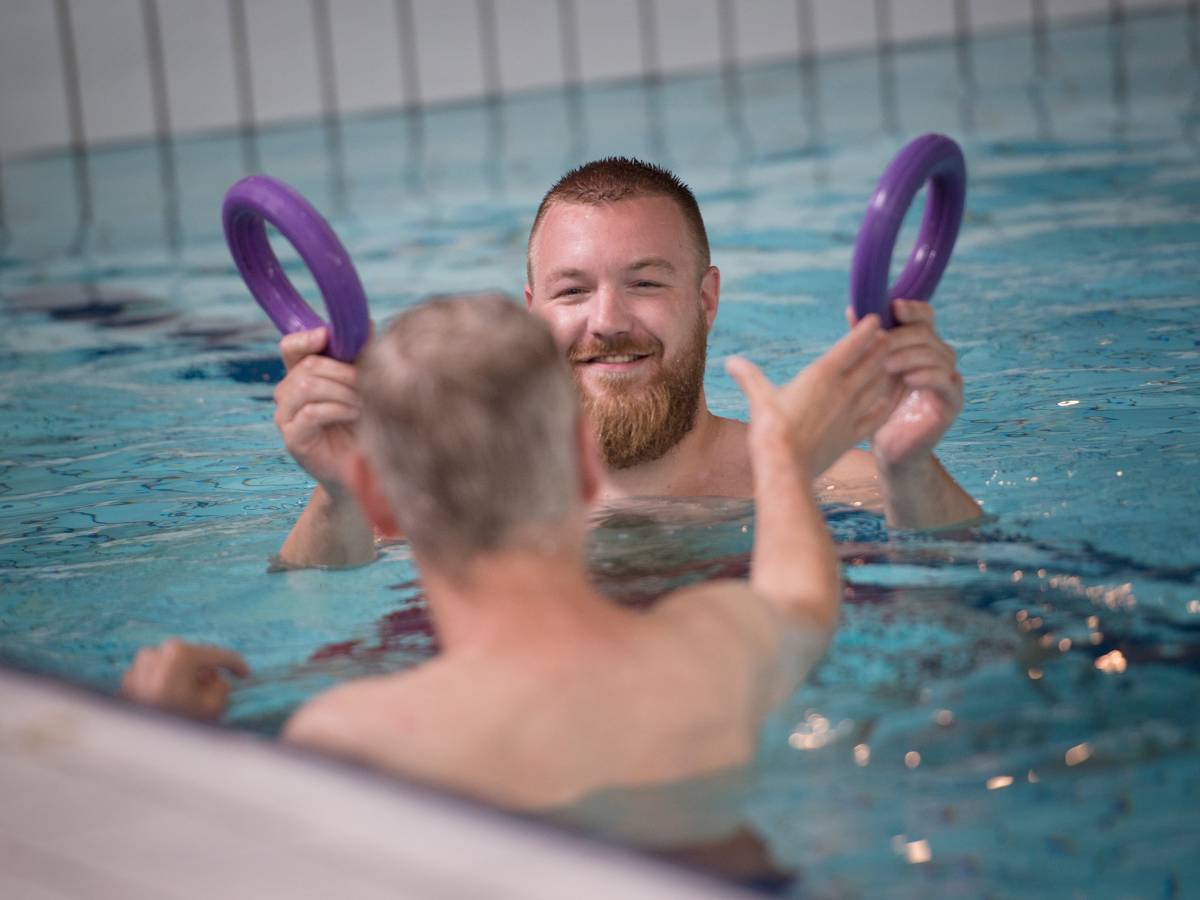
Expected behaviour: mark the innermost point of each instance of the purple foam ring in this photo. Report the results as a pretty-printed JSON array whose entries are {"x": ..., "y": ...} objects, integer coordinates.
[
  {"x": 932, "y": 158},
  {"x": 259, "y": 197}
]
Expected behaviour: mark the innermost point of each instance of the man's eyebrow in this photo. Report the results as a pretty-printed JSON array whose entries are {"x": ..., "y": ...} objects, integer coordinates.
[
  {"x": 565, "y": 273},
  {"x": 652, "y": 262}
]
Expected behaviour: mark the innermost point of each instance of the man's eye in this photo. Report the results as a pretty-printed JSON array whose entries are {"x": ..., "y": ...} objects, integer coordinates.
[
  {"x": 570, "y": 292},
  {"x": 647, "y": 284}
]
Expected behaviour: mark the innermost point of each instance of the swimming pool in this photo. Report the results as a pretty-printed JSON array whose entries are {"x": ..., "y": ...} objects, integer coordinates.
[{"x": 1012, "y": 702}]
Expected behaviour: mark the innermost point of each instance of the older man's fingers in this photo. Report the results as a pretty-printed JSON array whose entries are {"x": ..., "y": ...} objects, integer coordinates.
[
  {"x": 877, "y": 413},
  {"x": 853, "y": 346},
  {"x": 869, "y": 369},
  {"x": 220, "y": 657},
  {"x": 750, "y": 378}
]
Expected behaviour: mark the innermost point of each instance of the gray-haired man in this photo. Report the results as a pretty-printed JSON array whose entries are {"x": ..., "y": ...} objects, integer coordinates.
[{"x": 471, "y": 441}]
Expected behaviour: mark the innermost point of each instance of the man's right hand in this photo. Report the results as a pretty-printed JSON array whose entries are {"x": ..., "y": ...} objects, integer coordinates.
[{"x": 316, "y": 405}]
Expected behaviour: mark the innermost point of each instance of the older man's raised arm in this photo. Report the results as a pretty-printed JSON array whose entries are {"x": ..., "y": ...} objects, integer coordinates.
[{"x": 795, "y": 431}]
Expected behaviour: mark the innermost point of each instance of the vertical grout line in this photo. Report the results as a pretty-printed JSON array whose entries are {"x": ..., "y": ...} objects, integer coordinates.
[
  {"x": 1193, "y": 12},
  {"x": 5, "y": 234},
  {"x": 810, "y": 84},
  {"x": 1041, "y": 69},
  {"x": 493, "y": 100},
  {"x": 489, "y": 48},
  {"x": 331, "y": 119},
  {"x": 652, "y": 77},
  {"x": 1189, "y": 127},
  {"x": 410, "y": 70},
  {"x": 78, "y": 145},
  {"x": 1118, "y": 62},
  {"x": 568, "y": 29},
  {"x": 963, "y": 45},
  {"x": 243, "y": 82},
  {"x": 410, "y": 86},
  {"x": 731, "y": 78},
  {"x": 886, "y": 54},
  {"x": 161, "y": 108},
  {"x": 1041, "y": 42},
  {"x": 648, "y": 38}
]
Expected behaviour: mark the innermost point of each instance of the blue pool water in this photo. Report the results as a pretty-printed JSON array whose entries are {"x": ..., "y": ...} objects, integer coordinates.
[{"x": 1017, "y": 702}]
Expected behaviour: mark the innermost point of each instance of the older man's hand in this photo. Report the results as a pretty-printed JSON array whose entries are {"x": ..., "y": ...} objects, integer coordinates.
[
  {"x": 183, "y": 678},
  {"x": 836, "y": 401}
]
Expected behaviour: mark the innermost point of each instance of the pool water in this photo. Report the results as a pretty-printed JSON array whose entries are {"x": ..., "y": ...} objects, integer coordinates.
[{"x": 1007, "y": 710}]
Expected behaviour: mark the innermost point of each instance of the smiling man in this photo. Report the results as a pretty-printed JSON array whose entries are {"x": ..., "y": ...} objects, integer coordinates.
[{"x": 619, "y": 268}]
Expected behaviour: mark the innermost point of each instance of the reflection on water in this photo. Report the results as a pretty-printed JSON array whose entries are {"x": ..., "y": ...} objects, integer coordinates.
[{"x": 1002, "y": 711}]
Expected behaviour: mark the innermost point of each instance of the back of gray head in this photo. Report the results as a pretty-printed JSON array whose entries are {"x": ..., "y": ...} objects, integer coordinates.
[{"x": 468, "y": 422}]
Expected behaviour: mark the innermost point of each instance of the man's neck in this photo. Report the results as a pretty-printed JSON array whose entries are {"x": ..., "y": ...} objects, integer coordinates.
[
  {"x": 710, "y": 460},
  {"x": 515, "y": 599}
]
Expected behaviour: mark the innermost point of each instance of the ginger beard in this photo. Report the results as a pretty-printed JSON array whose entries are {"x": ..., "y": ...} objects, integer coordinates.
[{"x": 638, "y": 422}]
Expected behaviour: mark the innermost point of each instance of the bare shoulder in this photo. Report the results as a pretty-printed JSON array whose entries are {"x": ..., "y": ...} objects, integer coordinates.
[
  {"x": 720, "y": 610},
  {"x": 727, "y": 471},
  {"x": 339, "y": 719}
]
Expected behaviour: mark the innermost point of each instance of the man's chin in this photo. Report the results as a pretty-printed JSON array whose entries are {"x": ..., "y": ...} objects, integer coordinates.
[{"x": 599, "y": 386}]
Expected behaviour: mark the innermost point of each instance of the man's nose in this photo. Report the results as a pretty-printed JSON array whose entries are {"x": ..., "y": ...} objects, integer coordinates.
[{"x": 610, "y": 313}]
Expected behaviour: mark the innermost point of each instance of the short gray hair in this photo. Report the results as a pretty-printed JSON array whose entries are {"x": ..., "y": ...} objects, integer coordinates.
[{"x": 468, "y": 421}]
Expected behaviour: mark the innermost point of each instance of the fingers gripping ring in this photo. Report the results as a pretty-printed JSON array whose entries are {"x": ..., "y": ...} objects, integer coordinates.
[
  {"x": 258, "y": 199},
  {"x": 932, "y": 158}
]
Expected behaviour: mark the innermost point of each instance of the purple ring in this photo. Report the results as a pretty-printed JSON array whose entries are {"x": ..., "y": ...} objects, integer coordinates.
[
  {"x": 259, "y": 197},
  {"x": 932, "y": 158}
]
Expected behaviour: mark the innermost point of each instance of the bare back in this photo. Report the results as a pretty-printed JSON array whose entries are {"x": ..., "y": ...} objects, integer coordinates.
[{"x": 678, "y": 691}]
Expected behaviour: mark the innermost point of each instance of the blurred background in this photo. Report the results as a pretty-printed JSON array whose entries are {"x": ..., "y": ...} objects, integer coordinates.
[{"x": 80, "y": 78}]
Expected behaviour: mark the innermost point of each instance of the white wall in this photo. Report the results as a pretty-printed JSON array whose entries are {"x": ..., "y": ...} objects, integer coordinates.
[{"x": 110, "y": 39}]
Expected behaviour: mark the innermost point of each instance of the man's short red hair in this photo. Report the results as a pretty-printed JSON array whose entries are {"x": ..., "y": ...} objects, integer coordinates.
[{"x": 621, "y": 178}]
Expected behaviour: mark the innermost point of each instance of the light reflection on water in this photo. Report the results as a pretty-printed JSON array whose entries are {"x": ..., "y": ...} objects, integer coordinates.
[{"x": 1005, "y": 709}]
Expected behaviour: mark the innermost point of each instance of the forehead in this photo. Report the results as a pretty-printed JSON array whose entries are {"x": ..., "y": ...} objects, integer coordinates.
[{"x": 583, "y": 235}]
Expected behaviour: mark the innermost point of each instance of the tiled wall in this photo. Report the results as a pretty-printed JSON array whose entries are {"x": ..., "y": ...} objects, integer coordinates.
[{"x": 381, "y": 54}]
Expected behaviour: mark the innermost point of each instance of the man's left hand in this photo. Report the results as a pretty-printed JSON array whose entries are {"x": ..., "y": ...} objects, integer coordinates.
[{"x": 932, "y": 387}]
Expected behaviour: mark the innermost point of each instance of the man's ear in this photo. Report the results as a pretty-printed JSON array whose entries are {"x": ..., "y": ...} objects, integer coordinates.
[
  {"x": 591, "y": 469},
  {"x": 528, "y": 296},
  {"x": 371, "y": 499},
  {"x": 710, "y": 293}
]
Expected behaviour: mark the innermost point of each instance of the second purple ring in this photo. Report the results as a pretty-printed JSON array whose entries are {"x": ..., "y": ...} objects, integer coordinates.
[
  {"x": 248, "y": 206},
  {"x": 932, "y": 159}
]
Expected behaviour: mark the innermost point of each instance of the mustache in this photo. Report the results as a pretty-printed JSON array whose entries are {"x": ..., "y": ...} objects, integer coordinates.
[{"x": 592, "y": 346}]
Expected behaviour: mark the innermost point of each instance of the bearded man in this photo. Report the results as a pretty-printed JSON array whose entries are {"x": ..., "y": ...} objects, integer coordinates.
[{"x": 619, "y": 268}]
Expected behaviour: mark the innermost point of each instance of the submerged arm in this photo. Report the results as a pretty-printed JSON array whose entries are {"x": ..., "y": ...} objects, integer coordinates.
[
  {"x": 922, "y": 494},
  {"x": 332, "y": 531}
]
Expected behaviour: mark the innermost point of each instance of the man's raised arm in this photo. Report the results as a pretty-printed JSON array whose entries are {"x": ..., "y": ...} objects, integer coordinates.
[
  {"x": 795, "y": 432},
  {"x": 316, "y": 406},
  {"x": 917, "y": 492}
]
